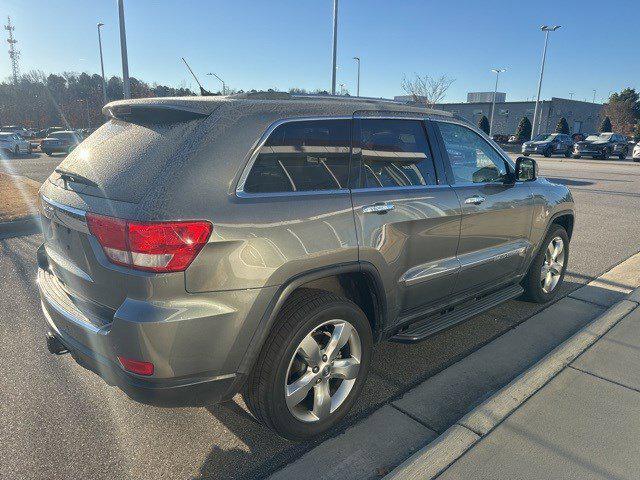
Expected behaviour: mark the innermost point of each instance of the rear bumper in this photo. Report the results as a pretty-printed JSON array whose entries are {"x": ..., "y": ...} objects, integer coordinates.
[
  {"x": 160, "y": 393},
  {"x": 196, "y": 344},
  {"x": 54, "y": 149}
]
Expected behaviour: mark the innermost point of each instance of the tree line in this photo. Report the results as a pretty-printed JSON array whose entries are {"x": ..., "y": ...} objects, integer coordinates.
[{"x": 69, "y": 99}]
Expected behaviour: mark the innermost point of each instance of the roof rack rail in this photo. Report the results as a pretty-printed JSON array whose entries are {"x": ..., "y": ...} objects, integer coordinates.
[{"x": 344, "y": 98}]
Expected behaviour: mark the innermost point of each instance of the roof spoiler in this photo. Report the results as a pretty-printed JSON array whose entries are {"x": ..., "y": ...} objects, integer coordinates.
[{"x": 148, "y": 113}]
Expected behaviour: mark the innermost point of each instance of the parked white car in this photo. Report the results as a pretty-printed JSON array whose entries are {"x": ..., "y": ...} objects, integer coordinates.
[
  {"x": 636, "y": 152},
  {"x": 14, "y": 143}
]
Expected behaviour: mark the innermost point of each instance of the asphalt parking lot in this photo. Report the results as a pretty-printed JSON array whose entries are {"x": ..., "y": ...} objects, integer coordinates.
[{"x": 58, "y": 420}]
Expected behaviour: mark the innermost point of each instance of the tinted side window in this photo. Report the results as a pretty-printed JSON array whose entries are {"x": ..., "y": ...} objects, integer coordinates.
[
  {"x": 303, "y": 156},
  {"x": 472, "y": 158},
  {"x": 395, "y": 153}
]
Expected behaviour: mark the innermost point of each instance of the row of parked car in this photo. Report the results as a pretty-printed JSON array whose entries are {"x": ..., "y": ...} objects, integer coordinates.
[
  {"x": 53, "y": 140},
  {"x": 602, "y": 146}
]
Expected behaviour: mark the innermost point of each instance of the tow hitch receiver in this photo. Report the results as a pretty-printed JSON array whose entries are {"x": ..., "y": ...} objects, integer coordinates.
[{"x": 54, "y": 345}]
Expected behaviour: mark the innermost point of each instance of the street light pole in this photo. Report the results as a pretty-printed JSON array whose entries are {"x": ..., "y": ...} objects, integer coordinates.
[
  {"x": 357, "y": 59},
  {"x": 126, "y": 83},
  {"x": 335, "y": 46},
  {"x": 571, "y": 95},
  {"x": 546, "y": 29},
  {"x": 497, "y": 71},
  {"x": 224, "y": 87},
  {"x": 104, "y": 82},
  {"x": 594, "y": 95}
]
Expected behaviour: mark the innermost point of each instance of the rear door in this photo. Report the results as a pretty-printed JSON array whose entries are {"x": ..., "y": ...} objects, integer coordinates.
[
  {"x": 407, "y": 217},
  {"x": 496, "y": 211}
]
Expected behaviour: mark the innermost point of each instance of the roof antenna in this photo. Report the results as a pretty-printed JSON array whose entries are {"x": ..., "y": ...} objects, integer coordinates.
[{"x": 203, "y": 92}]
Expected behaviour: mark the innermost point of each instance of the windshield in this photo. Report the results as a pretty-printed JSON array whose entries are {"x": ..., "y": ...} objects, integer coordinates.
[
  {"x": 545, "y": 137},
  {"x": 592, "y": 138},
  {"x": 62, "y": 135},
  {"x": 606, "y": 136}
]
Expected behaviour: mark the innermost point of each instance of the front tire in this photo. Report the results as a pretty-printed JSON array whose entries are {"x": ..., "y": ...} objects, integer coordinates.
[
  {"x": 312, "y": 367},
  {"x": 546, "y": 273},
  {"x": 548, "y": 152},
  {"x": 567, "y": 154}
]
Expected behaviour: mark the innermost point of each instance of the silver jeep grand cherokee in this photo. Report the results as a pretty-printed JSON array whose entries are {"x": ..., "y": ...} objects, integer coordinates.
[{"x": 196, "y": 248}]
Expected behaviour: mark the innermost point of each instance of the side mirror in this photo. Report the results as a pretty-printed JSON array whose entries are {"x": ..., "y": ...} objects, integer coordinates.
[{"x": 526, "y": 169}]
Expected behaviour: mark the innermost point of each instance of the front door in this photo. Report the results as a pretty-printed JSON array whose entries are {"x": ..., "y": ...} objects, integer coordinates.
[
  {"x": 496, "y": 210},
  {"x": 407, "y": 216}
]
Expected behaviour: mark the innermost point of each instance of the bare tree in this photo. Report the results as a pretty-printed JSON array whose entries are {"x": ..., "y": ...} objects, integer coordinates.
[
  {"x": 622, "y": 116},
  {"x": 427, "y": 90}
]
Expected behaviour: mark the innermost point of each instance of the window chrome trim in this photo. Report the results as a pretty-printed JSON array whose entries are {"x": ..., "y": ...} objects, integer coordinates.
[{"x": 255, "y": 151}]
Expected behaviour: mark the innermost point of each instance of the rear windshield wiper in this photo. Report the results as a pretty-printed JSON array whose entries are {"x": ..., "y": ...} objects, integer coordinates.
[{"x": 74, "y": 177}]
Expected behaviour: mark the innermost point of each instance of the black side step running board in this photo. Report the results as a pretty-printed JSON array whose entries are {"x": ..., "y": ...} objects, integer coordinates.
[{"x": 434, "y": 323}]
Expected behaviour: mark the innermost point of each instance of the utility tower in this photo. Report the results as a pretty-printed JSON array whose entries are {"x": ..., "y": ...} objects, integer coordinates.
[{"x": 14, "y": 54}]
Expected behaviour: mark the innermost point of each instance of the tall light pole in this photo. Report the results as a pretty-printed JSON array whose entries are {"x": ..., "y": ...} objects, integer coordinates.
[
  {"x": 594, "y": 95},
  {"x": 497, "y": 71},
  {"x": 335, "y": 46},
  {"x": 224, "y": 87},
  {"x": 123, "y": 49},
  {"x": 571, "y": 95},
  {"x": 546, "y": 29},
  {"x": 104, "y": 82},
  {"x": 357, "y": 59}
]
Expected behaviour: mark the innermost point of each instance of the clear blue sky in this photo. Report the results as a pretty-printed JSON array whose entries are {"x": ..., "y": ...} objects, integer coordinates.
[{"x": 285, "y": 43}]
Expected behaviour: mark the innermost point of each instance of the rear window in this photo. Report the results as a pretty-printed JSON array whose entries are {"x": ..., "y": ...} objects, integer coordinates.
[
  {"x": 120, "y": 160},
  {"x": 302, "y": 156}
]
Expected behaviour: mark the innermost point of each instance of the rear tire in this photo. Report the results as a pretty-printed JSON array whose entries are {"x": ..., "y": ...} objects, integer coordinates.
[
  {"x": 283, "y": 363},
  {"x": 622, "y": 155},
  {"x": 538, "y": 286},
  {"x": 548, "y": 152},
  {"x": 567, "y": 154}
]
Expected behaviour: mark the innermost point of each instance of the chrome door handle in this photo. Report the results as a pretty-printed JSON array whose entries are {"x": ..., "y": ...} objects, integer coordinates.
[
  {"x": 475, "y": 200},
  {"x": 378, "y": 207}
]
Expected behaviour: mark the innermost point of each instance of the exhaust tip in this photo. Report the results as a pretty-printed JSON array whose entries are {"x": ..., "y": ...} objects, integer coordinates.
[{"x": 54, "y": 345}]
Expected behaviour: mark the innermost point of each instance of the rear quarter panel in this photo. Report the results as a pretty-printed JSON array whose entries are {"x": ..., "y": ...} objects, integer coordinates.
[{"x": 255, "y": 242}]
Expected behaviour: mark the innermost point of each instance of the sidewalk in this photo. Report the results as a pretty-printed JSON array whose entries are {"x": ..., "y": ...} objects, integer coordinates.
[
  {"x": 583, "y": 424},
  {"x": 437, "y": 427}
]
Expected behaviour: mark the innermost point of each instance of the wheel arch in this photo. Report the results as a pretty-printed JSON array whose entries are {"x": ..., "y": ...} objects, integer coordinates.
[{"x": 347, "y": 276}]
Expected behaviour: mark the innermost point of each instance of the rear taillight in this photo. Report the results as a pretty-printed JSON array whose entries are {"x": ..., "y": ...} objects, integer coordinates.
[{"x": 151, "y": 246}]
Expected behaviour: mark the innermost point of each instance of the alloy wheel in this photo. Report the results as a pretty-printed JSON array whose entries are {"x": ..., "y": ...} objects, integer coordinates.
[
  {"x": 323, "y": 370},
  {"x": 554, "y": 259}
]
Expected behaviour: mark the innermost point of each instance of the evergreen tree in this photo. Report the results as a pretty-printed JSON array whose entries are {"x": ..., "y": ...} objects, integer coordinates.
[
  {"x": 605, "y": 126},
  {"x": 523, "y": 133},
  {"x": 563, "y": 126},
  {"x": 483, "y": 124}
]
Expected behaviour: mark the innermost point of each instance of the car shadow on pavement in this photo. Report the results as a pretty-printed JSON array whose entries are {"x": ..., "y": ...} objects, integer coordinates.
[
  {"x": 569, "y": 182},
  {"x": 396, "y": 368}
]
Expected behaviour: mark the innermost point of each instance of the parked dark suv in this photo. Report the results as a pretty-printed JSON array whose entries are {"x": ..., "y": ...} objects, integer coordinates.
[
  {"x": 602, "y": 146},
  {"x": 549, "y": 144},
  {"x": 196, "y": 248}
]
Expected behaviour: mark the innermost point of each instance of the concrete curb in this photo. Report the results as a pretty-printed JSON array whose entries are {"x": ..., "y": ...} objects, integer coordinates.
[{"x": 454, "y": 442}]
